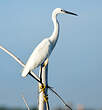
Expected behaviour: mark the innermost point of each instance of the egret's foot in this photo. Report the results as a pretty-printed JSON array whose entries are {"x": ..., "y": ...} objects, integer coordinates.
[
  {"x": 45, "y": 98},
  {"x": 42, "y": 88}
]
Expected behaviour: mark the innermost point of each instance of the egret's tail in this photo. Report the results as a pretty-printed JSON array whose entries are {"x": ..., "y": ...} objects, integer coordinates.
[{"x": 25, "y": 72}]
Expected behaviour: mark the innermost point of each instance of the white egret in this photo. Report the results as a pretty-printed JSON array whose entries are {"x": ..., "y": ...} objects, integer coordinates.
[{"x": 44, "y": 49}]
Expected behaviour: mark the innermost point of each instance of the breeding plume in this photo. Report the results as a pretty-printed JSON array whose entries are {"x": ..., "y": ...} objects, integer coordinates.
[{"x": 44, "y": 49}]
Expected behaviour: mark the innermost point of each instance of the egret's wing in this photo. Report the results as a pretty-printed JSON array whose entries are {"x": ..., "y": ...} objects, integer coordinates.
[
  {"x": 19, "y": 61},
  {"x": 45, "y": 48},
  {"x": 38, "y": 56},
  {"x": 32, "y": 63}
]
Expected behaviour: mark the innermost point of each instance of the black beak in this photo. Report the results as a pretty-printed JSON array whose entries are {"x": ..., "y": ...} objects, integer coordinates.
[{"x": 69, "y": 12}]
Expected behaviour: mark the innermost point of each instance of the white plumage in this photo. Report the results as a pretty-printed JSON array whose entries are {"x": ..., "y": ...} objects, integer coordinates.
[{"x": 44, "y": 49}]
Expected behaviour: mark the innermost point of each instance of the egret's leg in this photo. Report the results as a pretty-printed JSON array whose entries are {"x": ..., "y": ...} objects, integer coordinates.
[
  {"x": 41, "y": 73},
  {"x": 45, "y": 63}
]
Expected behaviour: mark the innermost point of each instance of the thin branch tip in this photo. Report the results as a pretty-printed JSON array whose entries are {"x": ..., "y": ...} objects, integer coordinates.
[{"x": 25, "y": 102}]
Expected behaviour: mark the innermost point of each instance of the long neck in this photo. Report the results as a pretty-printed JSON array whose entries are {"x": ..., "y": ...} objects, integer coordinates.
[{"x": 55, "y": 34}]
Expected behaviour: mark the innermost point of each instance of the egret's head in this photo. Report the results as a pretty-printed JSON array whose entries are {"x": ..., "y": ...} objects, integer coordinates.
[{"x": 59, "y": 10}]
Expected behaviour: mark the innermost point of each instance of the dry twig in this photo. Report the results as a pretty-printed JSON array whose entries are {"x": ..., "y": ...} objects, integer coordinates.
[{"x": 25, "y": 102}]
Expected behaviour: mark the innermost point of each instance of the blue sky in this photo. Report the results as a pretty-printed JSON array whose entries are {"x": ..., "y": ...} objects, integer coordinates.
[{"x": 75, "y": 66}]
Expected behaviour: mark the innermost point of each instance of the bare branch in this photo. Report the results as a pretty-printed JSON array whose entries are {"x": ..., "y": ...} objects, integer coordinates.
[
  {"x": 33, "y": 75},
  {"x": 19, "y": 61},
  {"x": 59, "y": 97},
  {"x": 13, "y": 56},
  {"x": 25, "y": 102}
]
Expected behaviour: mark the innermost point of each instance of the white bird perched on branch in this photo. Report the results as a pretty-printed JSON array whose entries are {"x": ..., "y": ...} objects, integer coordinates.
[{"x": 44, "y": 49}]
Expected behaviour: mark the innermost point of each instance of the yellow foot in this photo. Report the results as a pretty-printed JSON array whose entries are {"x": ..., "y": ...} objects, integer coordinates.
[
  {"x": 42, "y": 88},
  {"x": 45, "y": 98}
]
